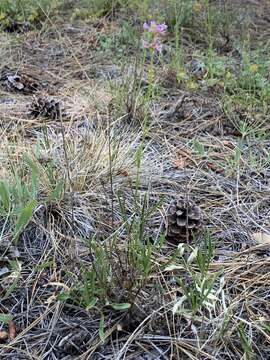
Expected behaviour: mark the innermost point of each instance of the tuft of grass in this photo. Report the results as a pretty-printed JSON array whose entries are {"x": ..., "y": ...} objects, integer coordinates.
[{"x": 118, "y": 274}]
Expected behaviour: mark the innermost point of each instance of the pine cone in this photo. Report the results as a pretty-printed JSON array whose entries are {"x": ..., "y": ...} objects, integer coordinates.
[
  {"x": 16, "y": 26},
  {"x": 16, "y": 81},
  {"x": 183, "y": 221},
  {"x": 47, "y": 107}
]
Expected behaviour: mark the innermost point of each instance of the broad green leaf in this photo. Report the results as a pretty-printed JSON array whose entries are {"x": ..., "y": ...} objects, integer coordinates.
[
  {"x": 24, "y": 217},
  {"x": 123, "y": 306}
]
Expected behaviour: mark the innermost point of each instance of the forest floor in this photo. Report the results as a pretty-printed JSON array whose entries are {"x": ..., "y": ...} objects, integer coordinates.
[{"x": 98, "y": 140}]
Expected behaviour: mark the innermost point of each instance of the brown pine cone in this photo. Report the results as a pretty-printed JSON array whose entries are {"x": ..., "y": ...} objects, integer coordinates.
[
  {"x": 16, "y": 81},
  {"x": 184, "y": 220},
  {"x": 46, "y": 107}
]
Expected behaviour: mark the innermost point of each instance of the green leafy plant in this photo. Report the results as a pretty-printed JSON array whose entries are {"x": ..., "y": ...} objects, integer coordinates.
[
  {"x": 245, "y": 341},
  {"x": 14, "y": 13},
  {"x": 20, "y": 197},
  {"x": 173, "y": 12},
  {"x": 99, "y": 8},
  {"x": 116, "y": 277},
  {"x": 197, "y": 284}
]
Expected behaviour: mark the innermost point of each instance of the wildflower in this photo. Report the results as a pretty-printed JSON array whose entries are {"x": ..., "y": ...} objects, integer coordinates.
[
  {"x": 146, "y": 27},
  {"x": 145, "y": 44},
  {"x": 155, "y": 45},
  {"x": 161, "y": 28},
  {"x": 154, "y": 31},
  {"x": 155, "y": 28}
]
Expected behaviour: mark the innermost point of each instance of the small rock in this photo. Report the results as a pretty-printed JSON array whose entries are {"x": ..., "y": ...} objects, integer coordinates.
[
  {"x": 4, "y": 270},
  {"x": 3, "y": 336}
]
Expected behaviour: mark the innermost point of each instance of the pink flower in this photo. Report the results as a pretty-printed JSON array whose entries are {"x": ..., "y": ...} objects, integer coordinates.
[
  {"x": 155, "y": 28},
  {"x": 155, "y": 45},
  {"x": 161, "y": 28},
  {"x": 154, "y": 32},
  {"x": 146, "y": 26}
]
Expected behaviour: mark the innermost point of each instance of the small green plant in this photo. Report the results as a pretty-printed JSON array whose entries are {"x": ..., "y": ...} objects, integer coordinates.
[
  {"x": 16, "y": 13},
  {"x": 233, "y": 163},
  {"x": 98, "y": 8},
  {"x": 118, "y": 43},
  {"x": 215, "y": 68},
  {"x": 20, "y": 197},
  {"x": 17, "y": 203},
  {"x": 249, "y": 86},
  {"x": 198, "y": 147},
  {"x": 116, "y": 277},
  {"x": 198, "y": 283},
  {"x": 177, "y": 13},
  {"x": 245, "y": 341}
]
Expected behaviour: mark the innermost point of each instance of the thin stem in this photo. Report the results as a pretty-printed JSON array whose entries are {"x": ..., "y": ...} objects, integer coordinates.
[{"x": 68, "y": 172}]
